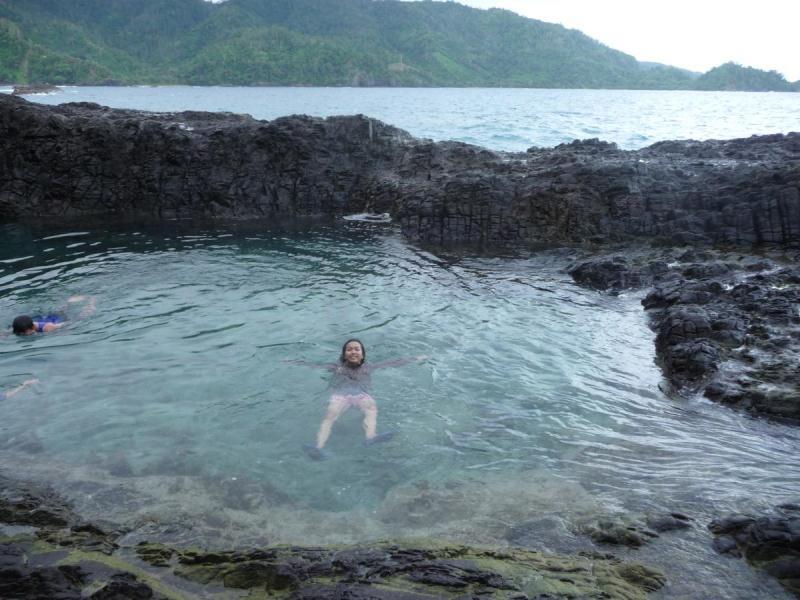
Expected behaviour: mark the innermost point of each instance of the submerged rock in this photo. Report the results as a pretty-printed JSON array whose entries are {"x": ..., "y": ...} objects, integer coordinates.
[
  {"x": 619, "y": 532},
  {"x": 430, "y": 571},
  {"x": 32, "y": 505},
  {"x": 668, "y": 522},
  {"x": 54, "y": 560},
  {"x": 547, "y": 533},
  {"x": 771, "y": 543}
]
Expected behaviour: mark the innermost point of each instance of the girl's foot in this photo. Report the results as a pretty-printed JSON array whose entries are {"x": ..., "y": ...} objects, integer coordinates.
[
  {"x": 316, "y": 453},
  {"x": 381, "y": 437}
]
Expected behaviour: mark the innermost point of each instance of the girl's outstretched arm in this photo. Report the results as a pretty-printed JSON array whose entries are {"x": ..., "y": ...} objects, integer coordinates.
[
  {"x": 18, "y": 389},
  {"x": 398, "y": 362},
  {"x": 90, "y": 304},
  {"x": 305, "y": 363}
]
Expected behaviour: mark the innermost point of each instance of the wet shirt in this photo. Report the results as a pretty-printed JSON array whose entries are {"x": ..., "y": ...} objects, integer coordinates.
[
  {"x": 351, "y": 381},
  {"x": 40, "y": 321}
]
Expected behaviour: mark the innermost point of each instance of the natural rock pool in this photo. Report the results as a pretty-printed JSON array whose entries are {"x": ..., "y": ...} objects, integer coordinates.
[{"x": 172, "y": 410}]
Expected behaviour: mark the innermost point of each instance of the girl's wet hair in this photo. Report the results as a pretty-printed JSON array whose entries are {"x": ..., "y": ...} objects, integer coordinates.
[
  {"x": 363, "y": 350},
  {"x": 24, "y": 323}
]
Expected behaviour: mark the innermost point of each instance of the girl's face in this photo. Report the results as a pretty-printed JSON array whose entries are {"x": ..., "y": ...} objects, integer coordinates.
[{"x": 353, "y": 354}]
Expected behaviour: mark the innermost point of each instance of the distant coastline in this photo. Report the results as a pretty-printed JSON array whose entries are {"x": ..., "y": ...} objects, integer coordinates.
[
  {"x": 41, "y": 88},
  {"x": 349, "y": 43}
]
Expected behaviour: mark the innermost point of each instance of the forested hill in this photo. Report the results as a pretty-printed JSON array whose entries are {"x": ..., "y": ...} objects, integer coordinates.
[
  {"x": 306, "y": 42},
  {"x": 733, "y": 77}
]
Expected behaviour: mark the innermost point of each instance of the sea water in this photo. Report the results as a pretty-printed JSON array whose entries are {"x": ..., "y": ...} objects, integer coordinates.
[
  {"x": 176, "y": 410},
  {"x": 499, "y": 119}
]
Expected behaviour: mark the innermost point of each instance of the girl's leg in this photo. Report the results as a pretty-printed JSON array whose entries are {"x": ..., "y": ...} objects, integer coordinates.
[
  {"x": 367, "y": 405},
  {"x": 336, "y": 407}
]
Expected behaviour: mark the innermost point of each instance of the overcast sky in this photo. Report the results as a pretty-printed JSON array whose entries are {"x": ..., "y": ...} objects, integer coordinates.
[{"x": 693, "y": 34}]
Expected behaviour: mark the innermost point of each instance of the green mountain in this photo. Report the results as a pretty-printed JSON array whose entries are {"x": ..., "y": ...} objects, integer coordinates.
[
  {"x": 306, "y": 42},
  {"x": 733, "y": 77}
]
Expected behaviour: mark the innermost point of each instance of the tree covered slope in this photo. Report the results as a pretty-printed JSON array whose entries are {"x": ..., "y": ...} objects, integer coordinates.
[{"x": 307, "y": 42}]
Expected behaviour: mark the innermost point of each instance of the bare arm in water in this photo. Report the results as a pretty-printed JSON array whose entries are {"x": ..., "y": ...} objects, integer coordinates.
[
  {"x": 305, "y": 363},
  {"x": 13, "y": 392},
  {"x": 397, "y": 362},
  {"x": 89, "y": 306}
]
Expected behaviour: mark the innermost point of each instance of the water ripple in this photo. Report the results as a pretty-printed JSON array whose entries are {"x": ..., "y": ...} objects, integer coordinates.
[{"x": 183, "y": 370}]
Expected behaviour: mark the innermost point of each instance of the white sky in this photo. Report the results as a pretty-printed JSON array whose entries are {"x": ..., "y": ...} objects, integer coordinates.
[{"x": 693, "y": 34}]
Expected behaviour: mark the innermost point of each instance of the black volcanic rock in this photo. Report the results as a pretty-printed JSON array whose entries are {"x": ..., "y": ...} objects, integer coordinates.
[
  {"x": 616, "y": 273},
  {"x": 52, "y": 561},
  {"x": 732, "y": 333},
  {"x": 669, "y": 522},
  {"x": 770, "y": 542},
  {"x": 21, "y": 90},
  {"x": 728, "y": 326},
  {"x": 79, "y": 160}
]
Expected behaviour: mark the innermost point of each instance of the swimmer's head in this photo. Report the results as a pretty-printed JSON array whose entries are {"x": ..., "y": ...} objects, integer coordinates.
[
  {"x": 353, "y": 353},
  {"x": 23, "y": 325}
]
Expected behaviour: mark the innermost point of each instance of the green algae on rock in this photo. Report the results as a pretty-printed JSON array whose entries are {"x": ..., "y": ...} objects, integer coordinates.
[
  {"x": 415, "y": 571},
  {"x": 63, "y": 556}
]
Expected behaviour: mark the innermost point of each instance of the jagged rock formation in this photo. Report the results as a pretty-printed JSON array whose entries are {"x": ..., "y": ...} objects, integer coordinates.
[
  {"x": 770, "y": 542},
  {"x": 733, "y": 333},
  {"x": 59, "y": 556},
  {"x": 79, "y": 160},
  {"x": 728, "y": 325}
]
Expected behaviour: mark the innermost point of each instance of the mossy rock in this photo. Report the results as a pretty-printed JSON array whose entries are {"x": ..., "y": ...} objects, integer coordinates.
[
  {"x": 619, "y": 533},
  {"x": 392, "y": 571},
  {"x": 157, "y": 555}
]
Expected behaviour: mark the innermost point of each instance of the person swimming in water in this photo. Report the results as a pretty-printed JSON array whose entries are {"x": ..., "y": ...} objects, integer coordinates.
[
  {"x": 350, "y": 386},
  {"x": 18, "y": 389},
  {"x": 27, "y": 325}
]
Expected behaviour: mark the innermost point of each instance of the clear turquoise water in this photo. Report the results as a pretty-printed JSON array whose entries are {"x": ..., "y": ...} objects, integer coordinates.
[
  {"x": 173, "y": 403},
  {"x": 500, "y": 119},
  {"x": 171, "y": 410}
]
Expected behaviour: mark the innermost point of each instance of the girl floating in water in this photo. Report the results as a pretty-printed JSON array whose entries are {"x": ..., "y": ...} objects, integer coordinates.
[
  {"x": 18, "y": 389},
  {"x": 27, "y": 325},
  {"x": 350, "y": 386}
]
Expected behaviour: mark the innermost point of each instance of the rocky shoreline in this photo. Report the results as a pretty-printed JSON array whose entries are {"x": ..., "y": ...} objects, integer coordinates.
[
  {"x": 48, "y": 551},
  {"x": 727, "y": 323},
  {"x": 728, "y": 327},
  {"x": 710, "y": 229},
  {"x": 23, "y": 90},
  {"x": 81, "y": 160}
]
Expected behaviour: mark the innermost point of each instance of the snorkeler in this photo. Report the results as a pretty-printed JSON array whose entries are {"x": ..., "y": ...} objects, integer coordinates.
[
  {"x": 18, "y": 389},
  {"x": 350, "y": 386},
  {"x": 27, "y": 325}
]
